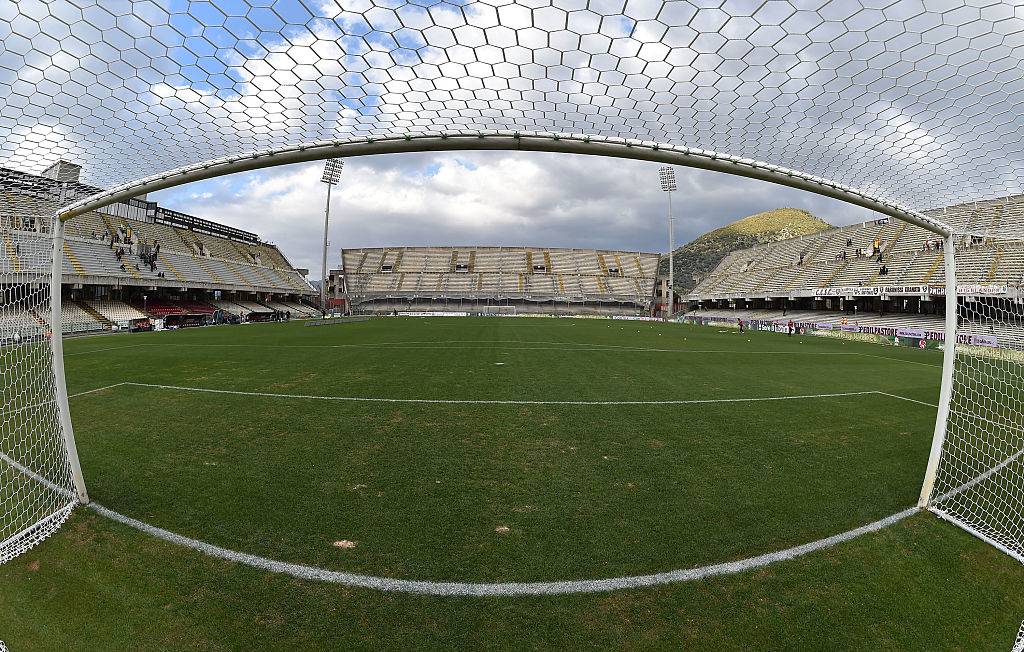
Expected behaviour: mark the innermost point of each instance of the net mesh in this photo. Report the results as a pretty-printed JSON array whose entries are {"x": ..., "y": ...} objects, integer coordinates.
[
  {"x": 36, "y": 494},
  {"x": 1018, "y": 645},
  {"x": 916, "y": 102},
  {"x": 919, "y": 103},
  {"x": 980, "y": 482}
]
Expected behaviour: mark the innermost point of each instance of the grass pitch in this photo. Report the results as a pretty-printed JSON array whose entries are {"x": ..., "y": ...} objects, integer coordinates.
[{"x": 526, "y": 489}]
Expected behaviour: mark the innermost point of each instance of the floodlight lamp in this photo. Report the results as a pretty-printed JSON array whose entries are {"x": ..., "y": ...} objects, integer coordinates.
[
  {"x": 332, "y": 171},
  {"x": 668, "y": 179}
]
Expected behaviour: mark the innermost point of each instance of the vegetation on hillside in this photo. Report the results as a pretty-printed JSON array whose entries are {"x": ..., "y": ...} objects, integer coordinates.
[{"x": 704, "y": 253}]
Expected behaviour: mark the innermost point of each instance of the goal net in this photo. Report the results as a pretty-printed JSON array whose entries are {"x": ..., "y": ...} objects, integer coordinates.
[
  {"x": 36, "y": 486},
  {"x": 500, "y": 310},
  {"x": 980, "y": 479}
]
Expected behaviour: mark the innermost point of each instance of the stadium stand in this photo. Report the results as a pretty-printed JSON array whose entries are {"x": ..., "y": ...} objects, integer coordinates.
[
  {"x": 872, "y": 254},
  {"x": 137, "y": 260},
  {"x": 115, "y": 311},
  {"x": 392, "y": 279},
  {"x": 139, "y": 244}
]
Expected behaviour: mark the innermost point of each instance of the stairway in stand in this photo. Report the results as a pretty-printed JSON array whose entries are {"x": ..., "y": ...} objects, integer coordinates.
[
  {"x": 74, "y": 260},
  {"x": 12, "y": 252},
  {"x": 107, "y": 324}
]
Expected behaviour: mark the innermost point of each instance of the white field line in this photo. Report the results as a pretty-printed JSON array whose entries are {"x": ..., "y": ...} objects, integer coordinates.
[
  {"x": 29, "y": 472},
  {"x": 981, "y": 478},
  {"x": 52, "y": 401},
  {"x": 503, "y": 589},
  {"x": 885, "y": 357},
  {"x": 554, "y": 346},
  {"x": 97, "y": 389},
  {"x": 46, "y": 482},
  {"x": 111, "y": 348},
  {"x": 372, "y": 399},
  {"x": 904, "y": 398}
]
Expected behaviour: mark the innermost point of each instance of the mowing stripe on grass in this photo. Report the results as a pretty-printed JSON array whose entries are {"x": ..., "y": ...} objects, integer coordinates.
[
  {"x": 502, "y": 589},
  {"x": 372, "y": 399},
  {"x": 561, "y": 346}
]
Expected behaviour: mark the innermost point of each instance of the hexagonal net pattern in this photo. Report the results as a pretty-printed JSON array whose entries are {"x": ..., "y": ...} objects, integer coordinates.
[
  {"x": 980, "y": 481},
  {"x": 917, "y": 102},
  {"x": 36, "y": 493}
]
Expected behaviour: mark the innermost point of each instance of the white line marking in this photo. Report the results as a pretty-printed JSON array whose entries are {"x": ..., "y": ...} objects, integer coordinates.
[
  {"x": 112, "y": 348},
  {"x": 885, "y": 357},
  {"x": 504, "y": 589},
  {"x": 371, "y": 399},
  {"x": 904, "y": 398},
  {"x": 981, "y": 478},
  {"x": 98, "y": 389},
  {"x": 36, "y": 476}
]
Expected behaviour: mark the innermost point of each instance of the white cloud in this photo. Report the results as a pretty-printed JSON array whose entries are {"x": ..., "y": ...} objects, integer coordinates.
[{"x": 485, "y": 198}]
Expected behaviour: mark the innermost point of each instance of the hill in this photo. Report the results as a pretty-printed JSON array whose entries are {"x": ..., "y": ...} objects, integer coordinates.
[{"x": 703, "y": 254}]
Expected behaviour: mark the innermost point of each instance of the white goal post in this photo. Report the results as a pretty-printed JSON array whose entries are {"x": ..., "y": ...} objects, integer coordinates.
[
  {"x": 40, "y": 477},
  {"x": 500, "y": 310},
  {"x": 974, "y": 476}
]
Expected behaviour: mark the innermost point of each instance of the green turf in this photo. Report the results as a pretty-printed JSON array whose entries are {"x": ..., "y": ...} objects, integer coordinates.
[{"x": 586, "y": 491}]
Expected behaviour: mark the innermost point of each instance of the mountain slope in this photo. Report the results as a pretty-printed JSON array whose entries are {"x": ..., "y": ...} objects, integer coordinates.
[{"x": 704, "y": 253}]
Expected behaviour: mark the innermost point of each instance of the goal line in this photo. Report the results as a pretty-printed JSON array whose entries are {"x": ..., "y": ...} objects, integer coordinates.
[{"x": 500, "y": 589}]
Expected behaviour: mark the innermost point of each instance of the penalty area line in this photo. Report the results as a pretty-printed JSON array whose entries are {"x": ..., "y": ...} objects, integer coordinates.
[
  {"x": 499, "y": 589},
  {"x": 372, "y": 399}
]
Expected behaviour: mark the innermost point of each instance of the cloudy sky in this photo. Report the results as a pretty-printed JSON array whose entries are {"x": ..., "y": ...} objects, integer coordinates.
[{"x": 485, "y": 198}]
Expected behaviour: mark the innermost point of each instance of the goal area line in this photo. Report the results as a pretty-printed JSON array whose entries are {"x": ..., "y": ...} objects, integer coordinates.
[
  {"x": 373, "y": 399},
  {"x": 500, "y": 589}
]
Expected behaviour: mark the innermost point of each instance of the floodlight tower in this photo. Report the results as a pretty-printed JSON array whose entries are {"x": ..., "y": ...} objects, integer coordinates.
[
  {"x": 331, "y": 176},
  {"x": 668, "y": 184}
]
